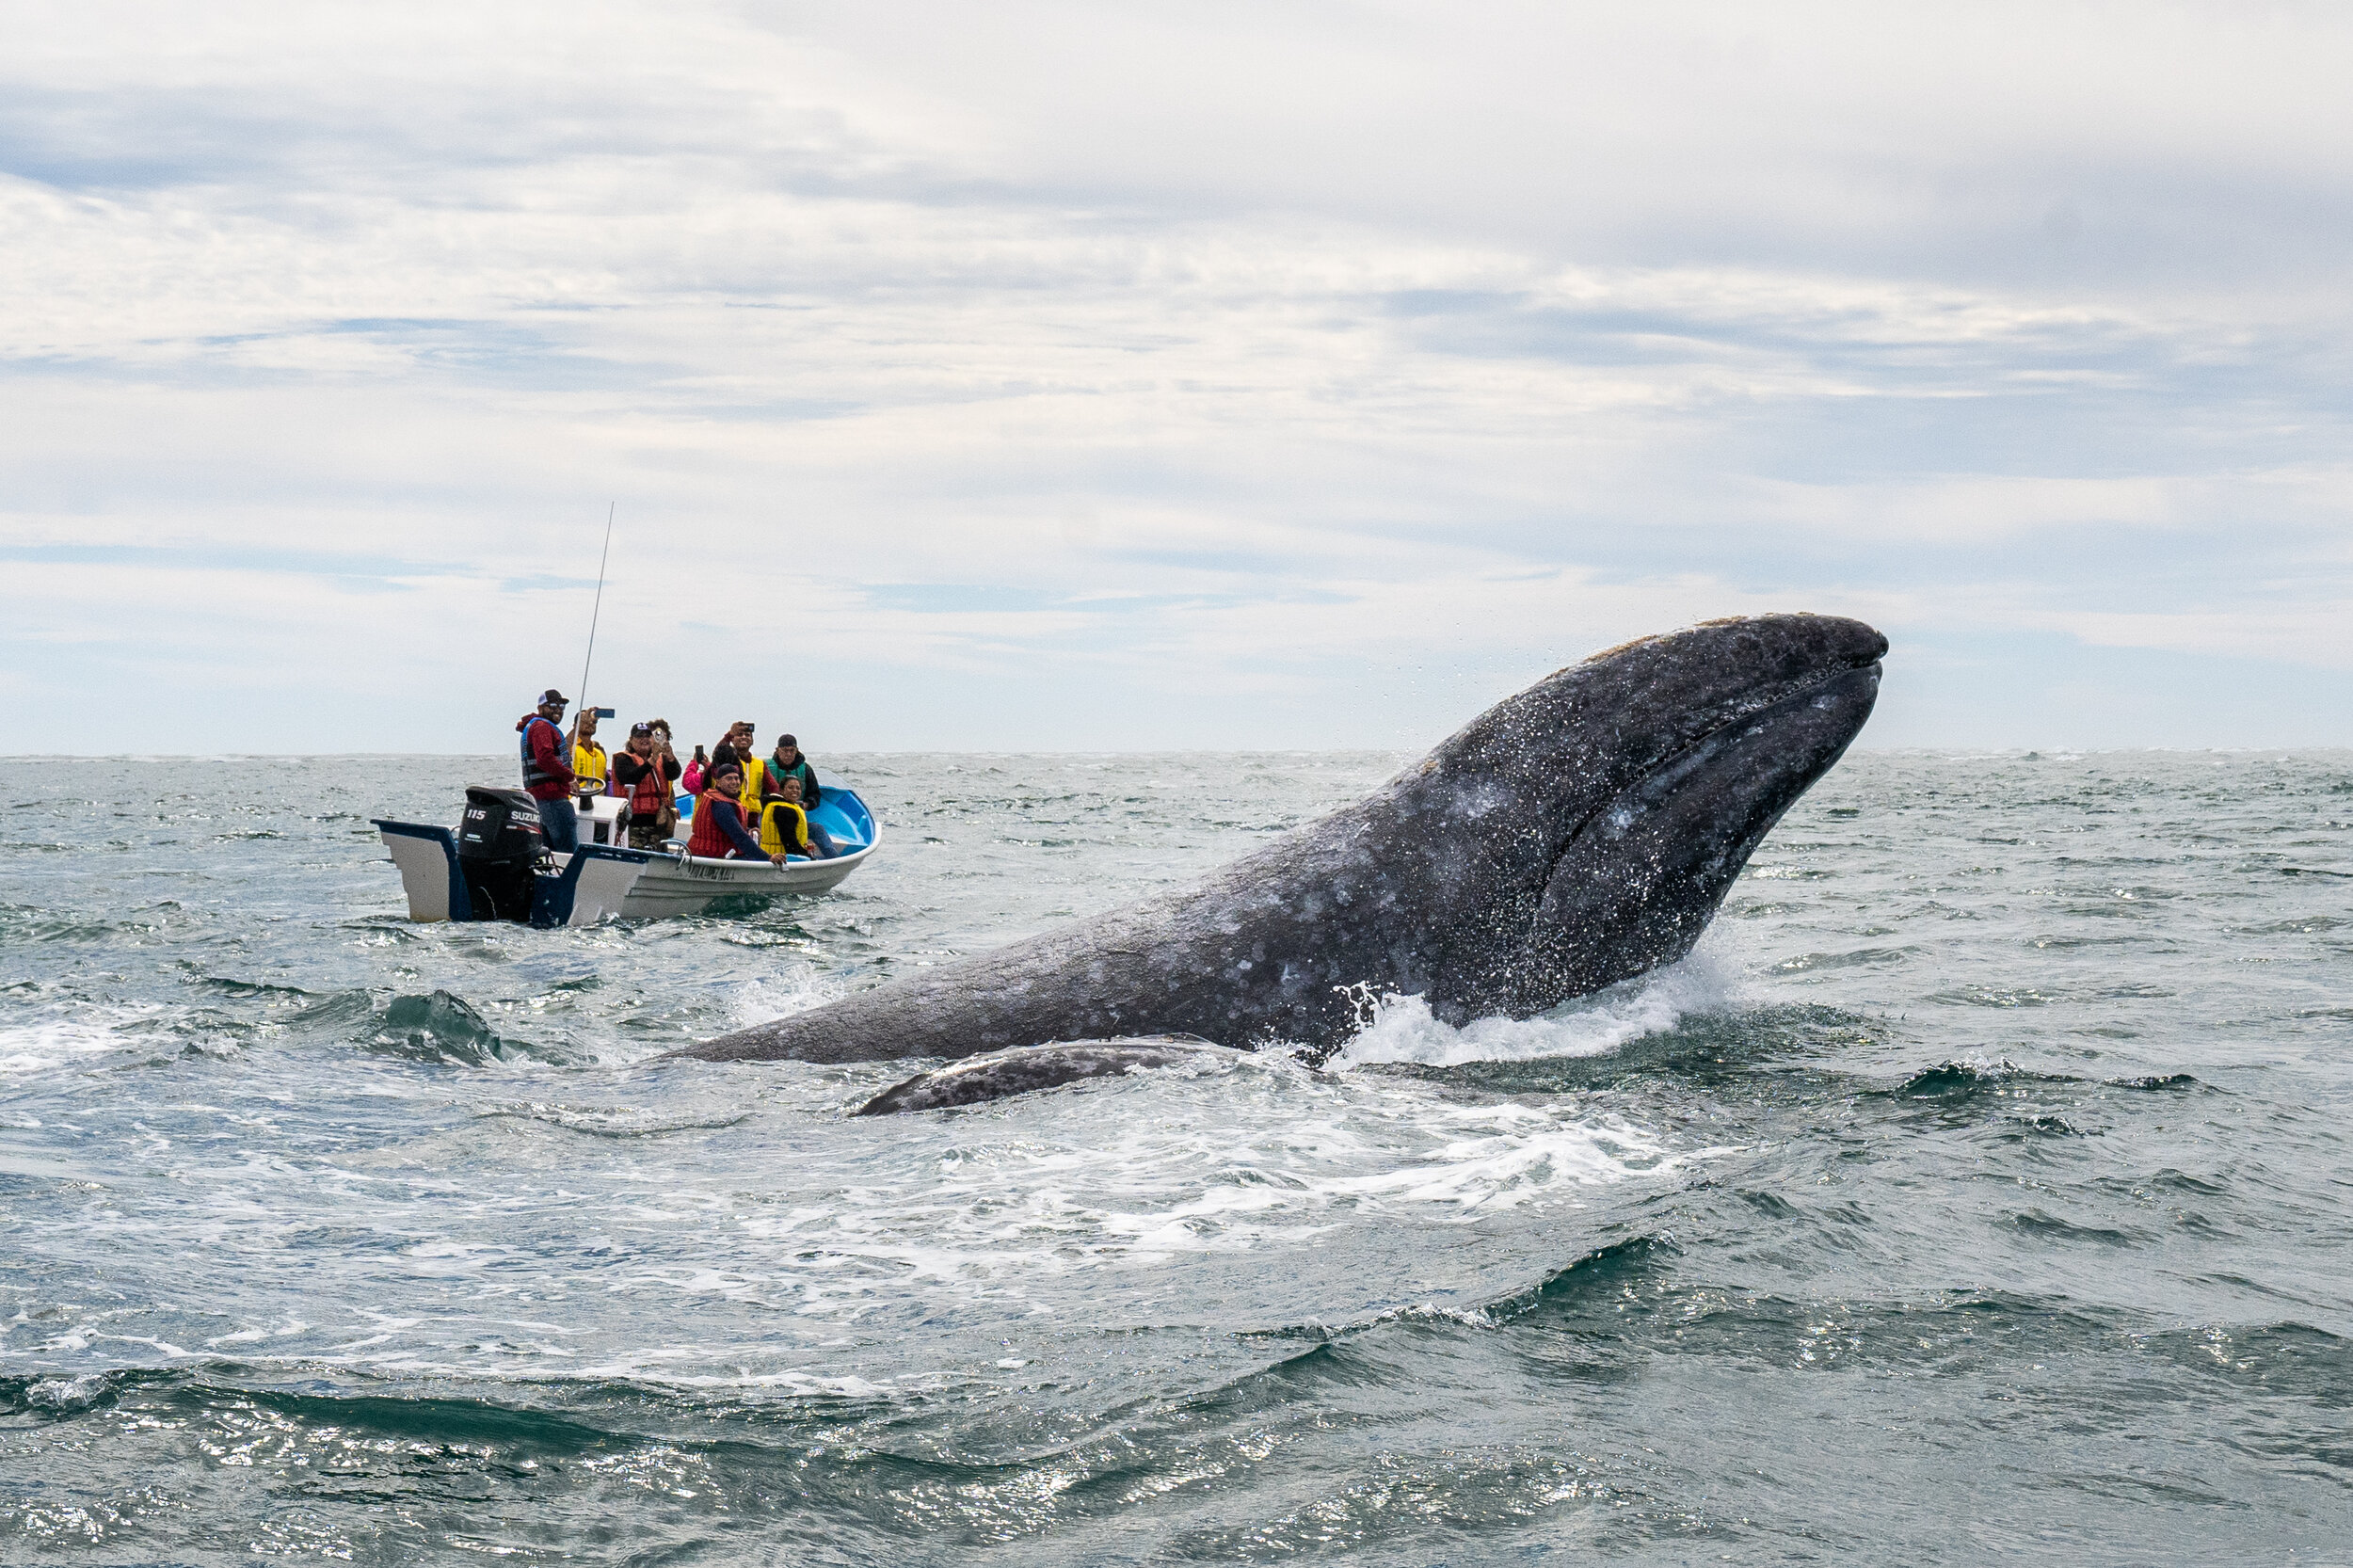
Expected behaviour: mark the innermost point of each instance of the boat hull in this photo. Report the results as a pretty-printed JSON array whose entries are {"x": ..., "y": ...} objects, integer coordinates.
[{"x": 683, "y": 885}]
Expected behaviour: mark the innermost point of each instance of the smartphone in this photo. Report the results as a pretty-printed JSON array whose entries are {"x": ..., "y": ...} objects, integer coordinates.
[{"x": 604, "y": 712}]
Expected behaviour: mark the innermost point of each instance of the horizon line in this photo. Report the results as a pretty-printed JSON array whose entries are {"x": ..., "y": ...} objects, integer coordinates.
[{"x": 2044, "y": 751}]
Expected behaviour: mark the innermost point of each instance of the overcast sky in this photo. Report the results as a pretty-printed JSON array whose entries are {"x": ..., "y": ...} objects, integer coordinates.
[{"x": 1083, "y": 377}]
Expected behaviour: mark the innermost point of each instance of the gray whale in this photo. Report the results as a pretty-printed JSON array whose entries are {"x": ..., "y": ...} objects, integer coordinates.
[
  {"x": 1574, "y": 835},
  {"x": 1033, "y": 1067}
]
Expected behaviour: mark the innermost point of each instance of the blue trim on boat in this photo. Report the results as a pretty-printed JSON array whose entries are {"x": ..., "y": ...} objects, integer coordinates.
[
  {"x": 841, "y": 814},
  {"x": 844, "y": 818},
  {"x": 552, "y": 897}
]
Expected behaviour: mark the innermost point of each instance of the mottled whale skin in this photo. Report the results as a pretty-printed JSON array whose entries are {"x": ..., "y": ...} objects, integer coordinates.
[
  {"x": 993, "y": 1077},
  {"x": 1577, "y": 834}
]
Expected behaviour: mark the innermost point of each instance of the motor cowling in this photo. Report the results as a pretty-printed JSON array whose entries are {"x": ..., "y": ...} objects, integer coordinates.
[
  {"x": 499, "y": 844},
  {"x": 499, "y": 824}
]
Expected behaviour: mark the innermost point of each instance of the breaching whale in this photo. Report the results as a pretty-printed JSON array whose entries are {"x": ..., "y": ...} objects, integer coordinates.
[{"x": 1577, "y": 834}]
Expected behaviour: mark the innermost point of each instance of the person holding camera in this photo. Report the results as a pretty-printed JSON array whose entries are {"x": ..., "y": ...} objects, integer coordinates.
[
  {"x": 589, "y": 765},
  {"x": 644, "y": 775}
]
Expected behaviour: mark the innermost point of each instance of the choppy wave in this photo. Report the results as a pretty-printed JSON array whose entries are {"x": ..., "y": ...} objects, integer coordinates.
[{"x": 335, "y": 1236}]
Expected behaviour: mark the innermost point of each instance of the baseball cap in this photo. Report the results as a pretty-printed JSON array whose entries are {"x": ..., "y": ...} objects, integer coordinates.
[
  {"x": 551, "y": 694},
  {"x": 638, "y": 729}
]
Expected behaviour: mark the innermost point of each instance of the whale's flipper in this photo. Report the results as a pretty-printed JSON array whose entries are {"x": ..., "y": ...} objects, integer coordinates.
[{"x": 1018, "y": 1072}]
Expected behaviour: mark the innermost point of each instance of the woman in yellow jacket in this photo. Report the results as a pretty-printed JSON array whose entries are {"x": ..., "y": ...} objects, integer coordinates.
[{"x": 784, "y": 827}]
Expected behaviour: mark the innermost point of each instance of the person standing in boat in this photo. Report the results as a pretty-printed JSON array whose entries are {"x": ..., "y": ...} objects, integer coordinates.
[
  {"x": 589, "y": 766},
  {"x": 720, "y": 833},
  {"x": 547, "y": 776},
  {"x": 643, "y": 774},
  {"x": 737, "y": 749}
]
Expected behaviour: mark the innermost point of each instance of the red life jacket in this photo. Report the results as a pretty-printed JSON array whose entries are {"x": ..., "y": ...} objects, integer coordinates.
[{"x": 709, "y": 840}]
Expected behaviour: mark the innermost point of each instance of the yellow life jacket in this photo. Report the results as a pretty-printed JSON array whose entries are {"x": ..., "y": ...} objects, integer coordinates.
[
  {"x": 755, "y": 775},
  {"x": 784, "y": 828},
  {"x": 589, "y": 769}
]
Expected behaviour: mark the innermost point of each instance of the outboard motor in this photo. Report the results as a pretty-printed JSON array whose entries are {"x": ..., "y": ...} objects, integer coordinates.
[{"x": 498, "y": 845}]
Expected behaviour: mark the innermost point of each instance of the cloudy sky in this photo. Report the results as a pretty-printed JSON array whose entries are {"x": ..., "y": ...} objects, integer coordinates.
[{"x": 1035, "y": 375}]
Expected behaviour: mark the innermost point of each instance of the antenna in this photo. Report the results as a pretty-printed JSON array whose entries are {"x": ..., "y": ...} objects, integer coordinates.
[{"x": 598, "y": 610}]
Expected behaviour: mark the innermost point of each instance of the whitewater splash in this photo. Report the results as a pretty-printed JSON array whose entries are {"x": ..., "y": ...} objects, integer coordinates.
[
  {"x": 1402, "y": 1029},
  {"x": 68, "y": 1037}
]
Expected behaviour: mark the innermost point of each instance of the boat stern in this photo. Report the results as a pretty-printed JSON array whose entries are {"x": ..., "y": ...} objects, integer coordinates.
[{"x": 427, "y": 858}]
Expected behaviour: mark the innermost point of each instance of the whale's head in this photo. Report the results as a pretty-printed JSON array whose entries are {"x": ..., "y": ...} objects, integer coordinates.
[{"x": 1586, "y": 829}]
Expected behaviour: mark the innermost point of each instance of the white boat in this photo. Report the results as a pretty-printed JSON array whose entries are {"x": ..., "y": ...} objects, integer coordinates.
[
  {"x": 680, "y": 884},
  {"x": 493, "y": 865}
]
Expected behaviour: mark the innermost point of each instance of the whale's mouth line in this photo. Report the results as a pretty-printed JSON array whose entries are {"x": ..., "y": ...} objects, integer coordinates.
[
  {"x": 1766, "y": 694},
  {"x": 1761, "y": 698}
]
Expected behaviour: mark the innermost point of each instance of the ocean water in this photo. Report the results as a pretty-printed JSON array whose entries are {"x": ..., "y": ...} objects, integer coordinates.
[{"x": 1978, "y": 1191}]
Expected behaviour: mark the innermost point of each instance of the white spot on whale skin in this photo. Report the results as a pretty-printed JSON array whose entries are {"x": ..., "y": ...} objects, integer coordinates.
[{"x": 1480, "y": 799}]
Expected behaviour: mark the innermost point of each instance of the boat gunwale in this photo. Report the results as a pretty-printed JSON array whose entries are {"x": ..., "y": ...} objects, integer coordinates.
[{"x": 661, "y": 858}]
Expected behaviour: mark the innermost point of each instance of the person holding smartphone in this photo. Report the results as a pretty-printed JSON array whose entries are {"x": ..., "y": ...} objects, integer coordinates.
[
  {"x": 590, "y": 767},
  {"x": 643, "y": 774}
]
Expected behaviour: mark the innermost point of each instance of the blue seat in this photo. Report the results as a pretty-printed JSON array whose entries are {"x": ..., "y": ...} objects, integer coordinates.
[{"x": 842, "y": 814}]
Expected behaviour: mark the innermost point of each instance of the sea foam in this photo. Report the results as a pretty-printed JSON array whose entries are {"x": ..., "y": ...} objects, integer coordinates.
[{"x": 1402, "y": 1029}]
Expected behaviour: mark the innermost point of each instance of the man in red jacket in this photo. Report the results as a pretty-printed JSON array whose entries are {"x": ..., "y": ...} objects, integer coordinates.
[{"x": 548, "y": 771}]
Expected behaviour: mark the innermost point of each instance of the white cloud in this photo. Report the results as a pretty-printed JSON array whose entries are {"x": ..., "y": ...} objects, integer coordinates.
[{"x": 1335, "y": 363}]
